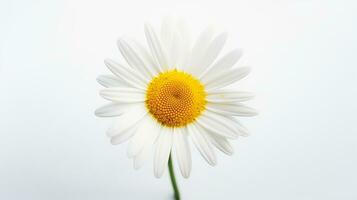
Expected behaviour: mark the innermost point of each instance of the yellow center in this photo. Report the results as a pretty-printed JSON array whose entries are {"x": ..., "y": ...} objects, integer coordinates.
[{"x": 175, "y": 98}]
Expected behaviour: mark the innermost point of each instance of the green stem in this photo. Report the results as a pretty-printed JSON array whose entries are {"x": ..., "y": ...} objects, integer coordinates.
[{"x": 173, "y": 180}]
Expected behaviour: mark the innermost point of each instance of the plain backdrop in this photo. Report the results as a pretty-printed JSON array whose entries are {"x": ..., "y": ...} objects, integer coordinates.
[{"x": 303, "y": 144}]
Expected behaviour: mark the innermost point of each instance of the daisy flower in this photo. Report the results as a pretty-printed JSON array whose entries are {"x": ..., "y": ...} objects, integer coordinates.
[{"x": 173, "y": 92}]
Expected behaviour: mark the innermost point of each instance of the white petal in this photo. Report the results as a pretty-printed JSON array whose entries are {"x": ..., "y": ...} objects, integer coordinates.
[
  {"x": 185, "y": 44},
  {"x": 225, "y": 78},
  {"x": 199, "y": 49},
  {"x": 134, "y": 59},
  {"x": 140, "y": 159},
  {"x": 111, "y": 110},
  {"x": 221, "y": 143},
  {"x": 127, "y": 120},
  {"x": 218, "y": 124},
  {"x": 202, "y": 144},
  {"x": 226, "y": 96},
  {"x": 123, "y": 95},
  {"x": 147, "y": 133},
  {"x": 145, "y": 151},
  {"x": 242, "y": 130},
  {"x": 172, "y": 42},
  {"x": 232, "y": 109},
  {"x": 225, "y": 63},
  {"x": 157, "y": 51},
  {"x": 124, "y": 135},
  {"x": 176, "y": 51},
  {"x": 111, "y": 81},
  {"x": 210, "y": 54},
  {"x": 162, "y": 152},
  {"x": 149, "y": 61},
  {"x": 167, "y": 31},
  {"x": 182, "y": 150},
  {"x": 126, "y": 74},
  {"x": 184, "y": 30}
]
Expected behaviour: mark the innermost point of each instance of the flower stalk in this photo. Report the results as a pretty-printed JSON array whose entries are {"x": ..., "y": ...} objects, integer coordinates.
[{"x": 173, "y": 180}]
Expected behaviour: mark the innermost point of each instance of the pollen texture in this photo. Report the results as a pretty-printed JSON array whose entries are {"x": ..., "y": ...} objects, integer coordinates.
[{"x": 175, "y": 98}]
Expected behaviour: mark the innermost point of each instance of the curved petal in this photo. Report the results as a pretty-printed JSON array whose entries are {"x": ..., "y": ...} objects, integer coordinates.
[
  {"x": 226, "y": 96},
  {"x": 126, "y": 74},
  {"x": 173, "y": 43},
  {"x": 224, "y": 63},
  {"x": 227, "y": 77},
  {"x": 111, "y": 81},
  {"x": 162, "y": 152},
  {"x": 139, "y": 160},
  {"x": 127, "y": 120},
  {"x": 147, "y": 133},
  {"x": 218, "y": 124},
  {"x": 232, "y": 109},
  {"x": 209, "y": 55},
  {"x": 182, "y": 150},
  {"x": 123, "y": 95},
  {"x": 176, "y": 52},
  {"x": 147, "y": 57},
  {"x": 202, "y": 144},
  {"x": 220, "y": 143},
  {"x": 185, "y": 43},
  {"x": 111, "y": 110},
  {"x": 134, "y": 59},
  {"x": 123, "y": 135},
  {"x": 157, "y": 51},
  {"x": 199, "y": 49},
  {"x": 242, "y": 130},
  {"x": 167, "y": 32}
]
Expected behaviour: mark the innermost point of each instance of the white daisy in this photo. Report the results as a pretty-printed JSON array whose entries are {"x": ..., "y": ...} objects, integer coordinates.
[{"x": 173, "y": 92}]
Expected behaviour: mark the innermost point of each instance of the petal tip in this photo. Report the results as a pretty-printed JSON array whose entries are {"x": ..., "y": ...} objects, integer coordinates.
[
  {"x": 97, "y": 112},
  {"x": 136, "y": 166},
  {"x": 107, "y": 61},
  {"x": 113, "y": 142},
  {"x": 157, "y": 174},
  {"x": 186, "y": 176},
  {"x": 213, "y": 163}
]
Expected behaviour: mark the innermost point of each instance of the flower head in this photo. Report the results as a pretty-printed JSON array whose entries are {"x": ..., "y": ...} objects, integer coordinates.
[{"x": 172, "y": 92}]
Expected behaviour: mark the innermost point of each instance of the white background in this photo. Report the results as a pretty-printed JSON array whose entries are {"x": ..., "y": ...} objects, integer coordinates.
[{"x": 303, "y": 144}]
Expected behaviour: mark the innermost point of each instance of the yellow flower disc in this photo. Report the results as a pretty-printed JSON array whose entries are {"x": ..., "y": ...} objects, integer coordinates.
[{"x": 175, "y": 98}]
